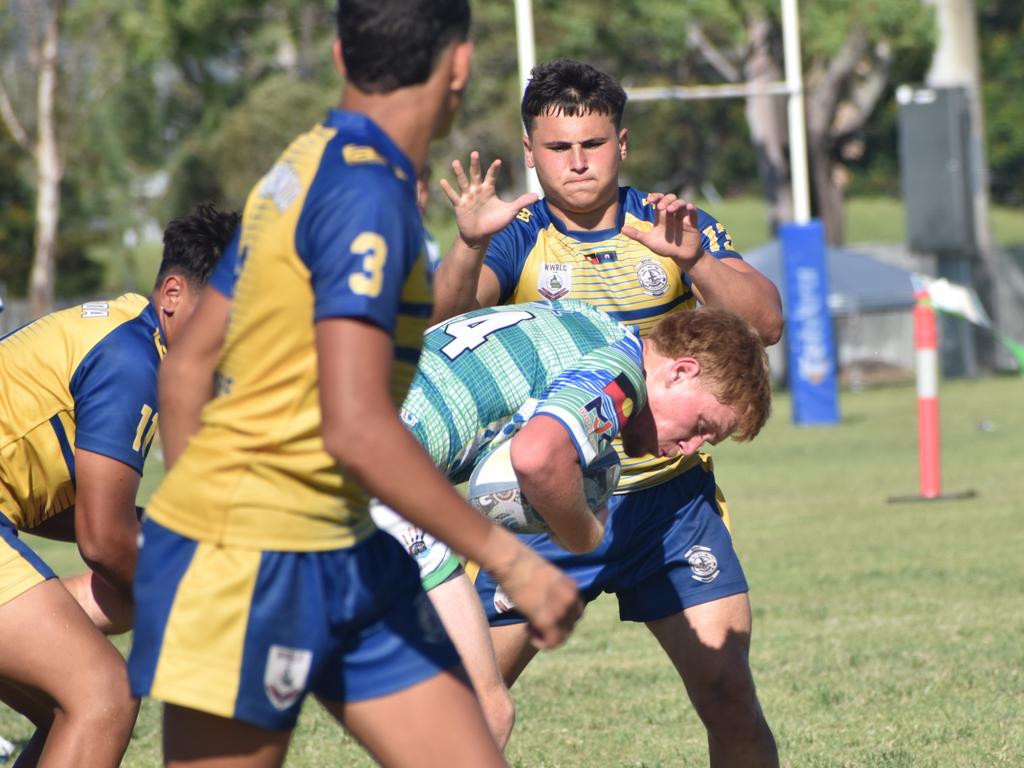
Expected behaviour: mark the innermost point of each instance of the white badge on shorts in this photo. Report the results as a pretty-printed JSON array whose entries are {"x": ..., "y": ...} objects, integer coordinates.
[
  {"x": 703, "y": 564},
  {"x": 555, "y": 280},
  {"x": 286, "y": 674}
]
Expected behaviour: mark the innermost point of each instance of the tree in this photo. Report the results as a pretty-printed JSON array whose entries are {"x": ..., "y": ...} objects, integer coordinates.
[
  {"x": 849, "y": 51},
  {"x": 43, "y": 21}
]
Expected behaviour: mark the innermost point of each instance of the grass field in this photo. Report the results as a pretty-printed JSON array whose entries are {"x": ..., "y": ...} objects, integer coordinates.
[{"x": 886, "y": 635}]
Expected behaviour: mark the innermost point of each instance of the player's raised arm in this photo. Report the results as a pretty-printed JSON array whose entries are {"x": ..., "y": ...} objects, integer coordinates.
[
  {"x": 388, "y": 462},
  {"x": 731, "y": 284},
  {"x": 479, "y": 213},
  {"x": 548, "y": 467}
]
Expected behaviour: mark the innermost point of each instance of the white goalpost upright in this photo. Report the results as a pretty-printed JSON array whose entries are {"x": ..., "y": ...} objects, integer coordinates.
[
  {"x": 792, "y": 87},
  {"x": 809, "y": 342}
]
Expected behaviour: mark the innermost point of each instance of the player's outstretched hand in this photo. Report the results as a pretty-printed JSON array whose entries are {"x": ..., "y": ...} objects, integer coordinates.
[
  {"x": 546, "y": 596},
  {"x": 479, "y": 212},
  {"x": 674, "y": 234}
]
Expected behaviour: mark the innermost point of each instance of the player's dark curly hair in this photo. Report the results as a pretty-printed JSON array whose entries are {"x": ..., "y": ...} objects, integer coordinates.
[
  {"x": 391, "y": 44},
  {"x": 569, "y": 87},
  {"x": 193, "y": 244},
  {"x": 733, "y": 363}
]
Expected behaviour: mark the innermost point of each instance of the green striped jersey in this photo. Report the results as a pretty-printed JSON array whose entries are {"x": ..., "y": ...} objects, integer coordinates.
[{"x": 483, "y": 374}]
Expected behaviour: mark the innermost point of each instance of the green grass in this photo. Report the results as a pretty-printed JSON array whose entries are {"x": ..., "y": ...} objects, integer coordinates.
[{"x": 884, "y": 634}]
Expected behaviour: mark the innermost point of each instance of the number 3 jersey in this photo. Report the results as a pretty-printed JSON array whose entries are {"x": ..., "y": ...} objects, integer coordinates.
[
  {"x": 85, "y": 378},
  {"x": 482, "y": 375},
  {"x": 332, "y": 231}
]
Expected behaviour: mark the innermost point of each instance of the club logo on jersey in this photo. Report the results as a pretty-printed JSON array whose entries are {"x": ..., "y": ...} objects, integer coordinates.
[
  {"x": 96, "y": 309},
  {"x": 285, "y": 676},
  {"x": 602, "y": 257},
  {"x": 703, "y": 564},
  {"x": 652, "y": 276},
  {"x": 524, "y": 215},
  {"x": 555, "y": 281},
  {"x": 413, "y": 540},
  {"x": 281, "y": 186}
]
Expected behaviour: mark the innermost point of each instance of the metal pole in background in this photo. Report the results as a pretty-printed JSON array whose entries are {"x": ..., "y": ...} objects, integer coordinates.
[
  {"x": 795, "y": 112},
  {"x": 527, "y": 58}
]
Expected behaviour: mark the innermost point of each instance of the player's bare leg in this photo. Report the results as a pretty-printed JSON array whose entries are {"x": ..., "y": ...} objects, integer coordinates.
[
  {"x": 709, "y": 646},
  {"x": 38, "y": 709},
  {"x": 51, "y": 646},
  {"x": 434, "y": 724},
  {"x": 201, "y": 740},
  {"x": 513, "y": 648},
  {"x": 457, "y": 604}
]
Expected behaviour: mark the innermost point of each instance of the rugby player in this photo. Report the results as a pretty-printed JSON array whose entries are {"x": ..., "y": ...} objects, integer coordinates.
[
  {"x": 78, "y": 413},
  {"x": 262, "y": 578},
  {"x": 667, "y": 552}
]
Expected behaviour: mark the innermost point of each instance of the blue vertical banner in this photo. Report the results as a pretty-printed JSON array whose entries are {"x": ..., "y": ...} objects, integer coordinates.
[{"x": 809, "y": 343}]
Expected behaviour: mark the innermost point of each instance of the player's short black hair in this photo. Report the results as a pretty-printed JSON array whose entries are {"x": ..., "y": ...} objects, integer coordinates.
[
  {"x": 193, "y": 244},
  {"x": 570, "y": 87},
  {"x": 391, "y": 44}
]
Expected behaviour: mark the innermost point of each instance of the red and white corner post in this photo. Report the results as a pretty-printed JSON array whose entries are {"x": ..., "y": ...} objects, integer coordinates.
[{"x": 926, "y": 339}]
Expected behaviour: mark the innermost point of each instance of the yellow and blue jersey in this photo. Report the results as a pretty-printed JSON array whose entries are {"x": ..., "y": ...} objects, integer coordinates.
[
  {"x": 332, "y": 231},
  {"x": 537, "y": 257},
  {"x": 84, "y": 377}
]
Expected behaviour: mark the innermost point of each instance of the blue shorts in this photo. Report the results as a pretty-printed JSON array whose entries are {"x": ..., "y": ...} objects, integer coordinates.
[
  {"x": 20, "y": 567},
  {"x": 665, "y": 549},
  {"x": 246, "y": 634}
]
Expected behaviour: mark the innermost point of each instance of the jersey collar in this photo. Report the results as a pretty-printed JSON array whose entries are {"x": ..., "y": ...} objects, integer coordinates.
[
  {"x": 596, "y": 235},
  {"x": 153, "y": 321},
  {"x": 359, "y": 128}
]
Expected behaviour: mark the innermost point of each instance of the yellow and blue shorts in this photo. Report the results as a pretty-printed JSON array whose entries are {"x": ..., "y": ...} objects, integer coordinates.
[
  {"x": 20, "y": 567},
  {"x": 246, "y": 634}
]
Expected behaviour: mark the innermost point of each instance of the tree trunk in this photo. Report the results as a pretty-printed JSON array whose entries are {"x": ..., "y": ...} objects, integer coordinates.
[
  {"x": 766, "y": 118},
  {"x": 826, "y": 195},
  {"x": 42, "y": 280}
]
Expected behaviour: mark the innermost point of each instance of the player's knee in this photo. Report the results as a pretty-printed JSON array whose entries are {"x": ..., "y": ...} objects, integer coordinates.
[
  {"x": 727, "y": 698},
  {"x": 104, "y": 700}
]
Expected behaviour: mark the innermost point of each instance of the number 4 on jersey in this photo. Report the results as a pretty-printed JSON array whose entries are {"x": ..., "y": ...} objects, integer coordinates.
[{"x": 471, "y": 332}]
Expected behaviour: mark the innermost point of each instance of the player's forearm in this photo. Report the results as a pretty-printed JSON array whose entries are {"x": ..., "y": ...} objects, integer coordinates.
[
  {"x": 749, "y": 294},
  {"x": 374, "y": 458},
  {"x": 456, "y": 279},
  {"x": 111, "y": 553},
  {"x": 548, "y": 469},
  {"x": 109, "y": 608},
  {"x": 556, "y": 493}
]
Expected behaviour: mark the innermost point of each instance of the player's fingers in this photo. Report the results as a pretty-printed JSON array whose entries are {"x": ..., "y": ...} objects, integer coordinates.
[
  {"x": 666, "y": 201},
  {"x": 674, "y": 227},
  {"x": 492, "y": 172},
  {"x": 474, "y": 167},
  {"x": 524, "y": 200},
  {"x": 460, "y": 175},
  {"x": 654, "y": 197},
  {"x": 634, "y": 234},
  {"x": 452, "y": 195}
]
